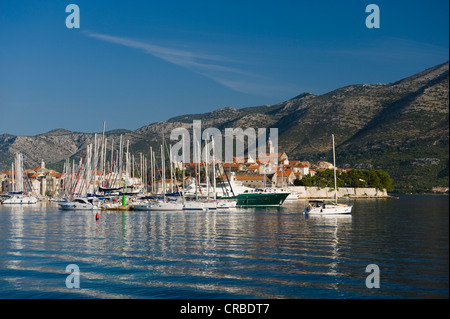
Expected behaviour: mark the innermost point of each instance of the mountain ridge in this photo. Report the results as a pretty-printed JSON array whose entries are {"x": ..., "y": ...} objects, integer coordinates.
[{"x": 381, "y": 126}]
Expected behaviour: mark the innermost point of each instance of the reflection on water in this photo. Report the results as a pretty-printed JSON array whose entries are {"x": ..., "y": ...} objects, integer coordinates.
[{"x": 248, "y": 253}]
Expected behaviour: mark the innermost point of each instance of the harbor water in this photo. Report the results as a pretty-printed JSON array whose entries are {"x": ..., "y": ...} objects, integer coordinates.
[{"x": 243, "y": 253}]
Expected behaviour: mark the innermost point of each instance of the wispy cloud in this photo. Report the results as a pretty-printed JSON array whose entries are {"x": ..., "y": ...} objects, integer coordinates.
[{"x": 218, "y": 68}]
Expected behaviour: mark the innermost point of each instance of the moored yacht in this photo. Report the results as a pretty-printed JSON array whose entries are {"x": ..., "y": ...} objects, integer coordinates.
[
  {"x": 19, "y": 199},
  {"x": 319, "y": 207},
  {"x": 79, "y": 203},
  {"x": 261, "y": 199},
  {"x": 159, "y": 205}
]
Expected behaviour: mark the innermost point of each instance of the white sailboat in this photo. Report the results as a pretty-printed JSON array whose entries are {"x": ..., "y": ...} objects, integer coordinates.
[
  {"x": 226, "y": 204},
  {"x": 319, "y": 207},
  {"x": 164, "y": 204},
  {"x": 194, "y": 205},
  {"x": 19, "y": 195},
  {"x": 19, "y": 199},
  {"x": 159, "y": 206}
]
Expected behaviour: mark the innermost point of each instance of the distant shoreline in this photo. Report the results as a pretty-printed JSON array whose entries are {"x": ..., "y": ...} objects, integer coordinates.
[
  {"x": 419, "y": 194},
  {"x": 306, "y": 192}
]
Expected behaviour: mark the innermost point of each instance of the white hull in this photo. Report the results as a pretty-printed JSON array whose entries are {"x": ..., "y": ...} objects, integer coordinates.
[
  {"x": 78, "y": 204},
  {"x": 177, "y": 206},
  {"x": 210, "y": 205},
  {"x": 201, "y": 205},
  {"x": 193, "y": 206},
  {"x": 320, "y": 208},
  {"x": 329, "y": 209},
  {"x": 226, "y": 204},
  {"x": 159, "y": 206},
  {"x": 20, "y": 199}
]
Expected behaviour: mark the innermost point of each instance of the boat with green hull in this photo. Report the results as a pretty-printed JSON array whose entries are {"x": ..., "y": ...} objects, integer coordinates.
[{"x": 260, "y": 199}]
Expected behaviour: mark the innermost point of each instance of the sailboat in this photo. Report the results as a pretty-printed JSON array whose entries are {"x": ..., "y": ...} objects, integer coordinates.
[
  {"x": 19, "y": 194},
  {"x": 166, "y": 203},
  {"x": 18, "y": 198},
  {"x": 207, "y": 199},
  {"x": 319, "y": 207}
]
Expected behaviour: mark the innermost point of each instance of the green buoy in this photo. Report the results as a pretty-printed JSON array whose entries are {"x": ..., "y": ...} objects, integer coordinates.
[{"x": 123, "y": 195}]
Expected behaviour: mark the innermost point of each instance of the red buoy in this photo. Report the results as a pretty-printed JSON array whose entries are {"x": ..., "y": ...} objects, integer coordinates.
[{"x": 97, "y": 217}]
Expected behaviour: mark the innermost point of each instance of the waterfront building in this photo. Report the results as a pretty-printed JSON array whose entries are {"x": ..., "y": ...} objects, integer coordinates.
[
  {"x": 283, "y": 178},
  {"x": 255, "y": 180}
]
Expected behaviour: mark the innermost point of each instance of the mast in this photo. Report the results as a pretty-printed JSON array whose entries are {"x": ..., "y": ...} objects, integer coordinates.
[
  {"x": 182, "y": 192},
  {"x": 141, "y": 174},
  {"x": 127, "y": 161},
  {"x": 132, "y": 167},
  {"x": 207, "y": 168},
  {"x": 73, "y": 176},
  {"x": 95, "y": 163},
  {"x": 334, "y": 169},
  {"x": 171, "y": 171},
  {"x": 163, "y": 175},
  {"x": 104, "y": 162},
  {"x": 120, "y": 170},
  {"x": 214, "y": 168},
  {"x": 112, "y": 163},
  {"x": 151, "y": 169},
  {"x": 154, "y": 173},
  {"x": 12, "y": 178},
  {"x": 145, "y": 172},
  {"x": 87, "y": 175},
  {"x": 102, "y": 157}
]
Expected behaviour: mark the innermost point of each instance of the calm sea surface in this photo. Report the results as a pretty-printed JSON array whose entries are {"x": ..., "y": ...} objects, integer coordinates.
[{"x": 246, "y": 253}]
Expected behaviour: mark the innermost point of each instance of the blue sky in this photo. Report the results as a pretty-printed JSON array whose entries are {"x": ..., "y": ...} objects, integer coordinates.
[{"x": 132, "y": 63}]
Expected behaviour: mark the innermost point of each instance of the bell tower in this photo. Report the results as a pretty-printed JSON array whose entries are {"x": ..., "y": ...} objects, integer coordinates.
[{"x": 270, "y": 147}]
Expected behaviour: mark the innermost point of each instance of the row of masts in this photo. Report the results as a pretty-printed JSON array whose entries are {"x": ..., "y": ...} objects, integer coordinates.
[
  {"x": 17, "y": 181},
  {"x": 210, "y": 187},
  {"x": 96, "y": 171}
]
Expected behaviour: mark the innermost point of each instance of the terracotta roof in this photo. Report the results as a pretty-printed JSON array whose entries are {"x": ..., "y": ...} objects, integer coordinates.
[
  {"x": 284, "y": 173},
  {"x": 250, "y": 177}
]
